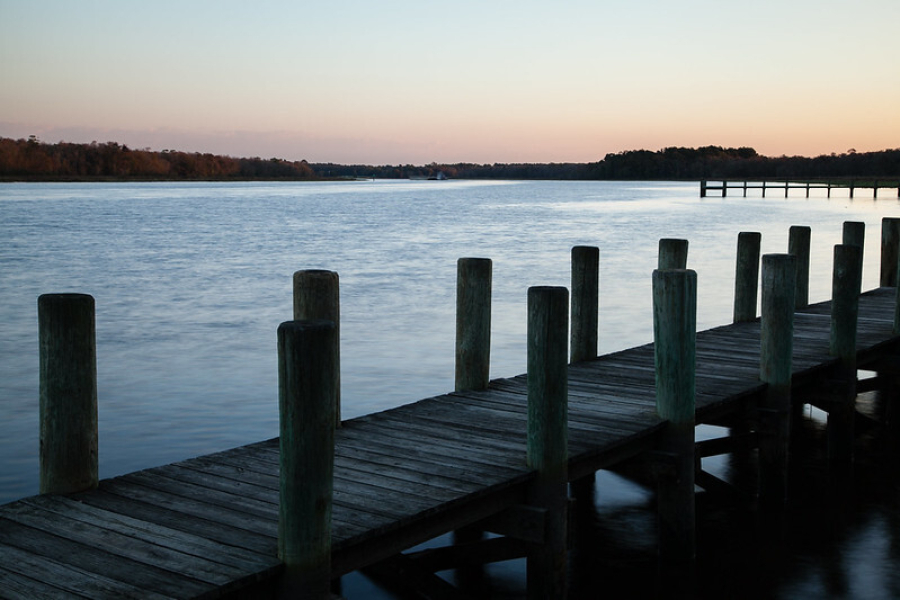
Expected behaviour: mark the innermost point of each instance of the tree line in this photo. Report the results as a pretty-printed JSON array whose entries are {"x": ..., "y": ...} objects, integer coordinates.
[{"x": 31, "y": 159}]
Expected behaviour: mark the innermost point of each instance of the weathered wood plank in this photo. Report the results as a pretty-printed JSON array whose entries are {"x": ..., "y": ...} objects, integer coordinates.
[
  {"x": 190, "y": 544},
  {"x": 21, "y": 587},
  {"x": 89, "y": 558},
  {"x": 162, "y": 515},
  {"x": 28, "y": 575}
]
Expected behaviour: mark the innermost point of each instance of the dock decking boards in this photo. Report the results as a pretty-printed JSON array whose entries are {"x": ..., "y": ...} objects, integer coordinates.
[{"x": 207, "y": 526}]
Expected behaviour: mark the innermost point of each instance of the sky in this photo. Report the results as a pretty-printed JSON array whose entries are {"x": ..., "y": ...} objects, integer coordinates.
[{"x": 397, "y": 82}]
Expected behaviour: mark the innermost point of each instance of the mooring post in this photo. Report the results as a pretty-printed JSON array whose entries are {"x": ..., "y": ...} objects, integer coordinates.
[
  {"x": 672, "y": 254},
  {"x": 890, "y": 242},
  {"x": 854, "y": 234},
  {"x": 775, "y": 369},
  {"x": 724, "y": 188},
  {"x": 584, "y": 322},
  {"x": 585, "y": 302},
  {"x": 306, "y": 402},
  {"x": 68, "y": 393},
  {"x": 317, "y": 297},
  {"x": 547, "y": 442},
  {"x": 703, "y": 188},
  {"x": 846, "y": 284},
  {"x": 473, "y": 359},
  {"x": 674, "y": 335},
  {"x": 746, "y": 277},
  {"x": 798, "y": 247},
  {"x": 473, "y": 323}
]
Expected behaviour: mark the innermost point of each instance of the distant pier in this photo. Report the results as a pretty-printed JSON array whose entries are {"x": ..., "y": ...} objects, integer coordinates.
[{"x": 724, "y": 186}]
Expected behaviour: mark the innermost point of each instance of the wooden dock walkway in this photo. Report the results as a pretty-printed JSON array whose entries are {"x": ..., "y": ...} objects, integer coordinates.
[
  {"x": 208, "y": 527},
  {"x": 725, "y": 186}
]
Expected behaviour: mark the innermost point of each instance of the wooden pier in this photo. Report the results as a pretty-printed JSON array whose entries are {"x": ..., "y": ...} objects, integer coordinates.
[
  {"x": 474, "y": 460},
  {"x": 725, "y": 186}
]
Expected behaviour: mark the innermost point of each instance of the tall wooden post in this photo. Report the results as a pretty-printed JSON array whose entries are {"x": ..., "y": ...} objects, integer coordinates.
[
  {"x": 846, "y": 284},
  {"x": 473, "y": 323},
  {"x": 68, "y": 393},
  {"x": 306, "y": 401},
  {"x": 746, "y": 277},
  {"x": 317, "y": 297},
  {"x": 547, "y": 449},
  {"x": 473, "y": 359},
  {"x": 798, "y": 246},
  {"x": 890, "y": 242},
  {"x": 854, "y": 234},
  {"x": 897, "y": 301},
  {"x": 585, "y": 302},
  {"x": 775, "y": 369},
  {"x": 674, "y": 334},
  {"x": 703, "y": 188},
  {"x": 672, "y": 254}
]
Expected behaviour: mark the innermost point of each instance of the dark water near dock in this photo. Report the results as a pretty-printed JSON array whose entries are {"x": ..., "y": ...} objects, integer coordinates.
[{"x": 191, "y": 281}]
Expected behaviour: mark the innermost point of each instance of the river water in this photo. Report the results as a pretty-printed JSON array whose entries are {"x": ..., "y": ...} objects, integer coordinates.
[{"x": 192, "y": 279}]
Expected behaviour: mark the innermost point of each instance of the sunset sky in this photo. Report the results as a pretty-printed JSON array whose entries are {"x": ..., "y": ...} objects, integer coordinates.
[{"x": 488, "y": 81}]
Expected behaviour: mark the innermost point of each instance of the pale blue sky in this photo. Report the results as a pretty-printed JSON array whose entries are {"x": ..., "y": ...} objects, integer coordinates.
[{"x": 415, "y": 82}]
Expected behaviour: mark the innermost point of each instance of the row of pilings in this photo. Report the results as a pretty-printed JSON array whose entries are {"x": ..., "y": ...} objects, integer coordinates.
[{"x": 309, "y": 389}]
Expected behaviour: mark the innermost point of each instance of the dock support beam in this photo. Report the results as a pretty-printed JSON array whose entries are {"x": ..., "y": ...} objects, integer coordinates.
[
  {"x": 317, "y": 296},
  {"x": 674, "y": 334},
  {"x": 798, "y": 246},
  {"x": 775, "y": 369},
  {"x": 547, "y": 447},
  {"x": 846, "y": 283},
  {"x": 306, "y": 401},
  {"x": 746, "y": 278},
  {"x": 68, "y": 393}
]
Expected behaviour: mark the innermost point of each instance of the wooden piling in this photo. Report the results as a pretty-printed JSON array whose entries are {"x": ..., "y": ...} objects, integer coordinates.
[
  {"x": 473, "y": 359},
  {"x": 317, "y": 296},
  {"x": 674, "y": 334},
  {"x": 775, "y": 368},
  {"x": 746, "y": 278},
  {"x": 890, "y": 242},
  {"x": 798, "y": 246},
  {"x": 473, "y": 323},
  {"x": 68, "y": 393},
  {"x": 306, "y": 401},
  {"x": 896, "y": 301},
  {"x": 547, "y": 442},
  {"x": 585, "y": 302},
  {"x": 846, "y": 282},
  {"x": 854, "y": 234},
  {"x": 672, "y": 254}
]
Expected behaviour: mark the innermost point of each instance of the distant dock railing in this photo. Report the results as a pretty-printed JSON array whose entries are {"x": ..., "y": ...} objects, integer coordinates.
[{"x": 725, "y": 186}]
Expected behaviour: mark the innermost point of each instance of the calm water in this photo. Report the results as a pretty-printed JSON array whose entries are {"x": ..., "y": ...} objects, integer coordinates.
[{"x": 192, "y": 280}]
